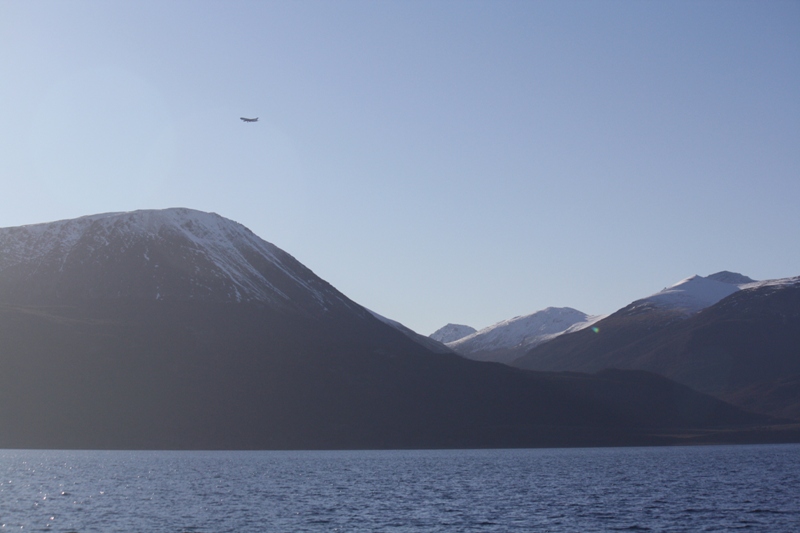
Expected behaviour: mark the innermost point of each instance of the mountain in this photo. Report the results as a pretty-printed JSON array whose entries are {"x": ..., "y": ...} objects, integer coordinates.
[
  {"x": 183, "y": 330},
  {"x": 451, "y": 332},
  {"x": 174, "y": 254},
  {"x": 695, "y": 293},
  {"x": 511, "y": 339},
  {"x": 743, "y": 348},
  {"x": 507, "y": 340},
  {"x": 734, "y": 278}
]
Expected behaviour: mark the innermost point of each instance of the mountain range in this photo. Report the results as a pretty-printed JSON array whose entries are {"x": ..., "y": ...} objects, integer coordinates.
[
  {"x": 507, "y": 340},
  {"x": 745, "y": 348},
  {"x": 182, "y": 329},
  {"x": 724, "y": 334}
]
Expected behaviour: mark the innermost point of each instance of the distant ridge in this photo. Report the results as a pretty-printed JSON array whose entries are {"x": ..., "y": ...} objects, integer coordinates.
[
  {"x": 741, "y": 347},
  {"x": 674, "y": 332},
  {"x": 505, "y": 341},
  {"x": 697, "y": 292},
  {"x": 733, "y": 278},
  {"x": 451, "y": 333},
  {"x": 509, "y": 339}
]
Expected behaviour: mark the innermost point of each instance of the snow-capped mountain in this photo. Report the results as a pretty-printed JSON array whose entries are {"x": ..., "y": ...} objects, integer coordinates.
[
  {"x": 694, "y": 293},
  {"x": 505, "y": 341},
  {"x": 452, "y": 332},
  {"x": 733, "y": 278},
  {"x": 730, "y": 340},
  {"x": 171, "y": 254}
]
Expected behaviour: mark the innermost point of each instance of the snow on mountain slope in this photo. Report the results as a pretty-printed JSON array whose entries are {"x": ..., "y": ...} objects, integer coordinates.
[
  {"x": 590, "y": 321},
  {"x": 506, "y": 340},
  {"x": 172, "y": 253},
  {"x": 697, "y": 292},
  {"x": 727, "y": 276},
  {"x": 452, "y": 332},
  {"x": 777, "y": 283}
]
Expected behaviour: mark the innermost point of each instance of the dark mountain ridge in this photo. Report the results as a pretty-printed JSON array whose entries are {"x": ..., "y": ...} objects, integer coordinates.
[
  {"x": 746, "y": 341},
  {"x": 181, "y": 329}
]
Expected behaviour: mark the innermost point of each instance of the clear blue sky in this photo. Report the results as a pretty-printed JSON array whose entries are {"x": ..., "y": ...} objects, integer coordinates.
[{"x": 435, "y": 161}]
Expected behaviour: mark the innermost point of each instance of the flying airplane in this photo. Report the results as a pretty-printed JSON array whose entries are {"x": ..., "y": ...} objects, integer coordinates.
[{"x": 249, "y": 119}]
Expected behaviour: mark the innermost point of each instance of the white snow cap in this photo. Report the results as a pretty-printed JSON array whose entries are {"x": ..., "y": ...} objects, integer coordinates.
[
  {"x": 230, "y": 254},
  {"x": 692, "y": 294},
  {"x": 696, "y": 292},
  {"x": 521, "y": 331},
  {"x": 451, "y": 333}
]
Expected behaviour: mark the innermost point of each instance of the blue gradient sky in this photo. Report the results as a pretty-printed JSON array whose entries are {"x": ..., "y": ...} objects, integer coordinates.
[{"x": 436, "y": 161}]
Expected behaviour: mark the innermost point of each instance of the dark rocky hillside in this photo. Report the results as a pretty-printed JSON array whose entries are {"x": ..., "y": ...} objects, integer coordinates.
[{"x": 178, "y": 375}]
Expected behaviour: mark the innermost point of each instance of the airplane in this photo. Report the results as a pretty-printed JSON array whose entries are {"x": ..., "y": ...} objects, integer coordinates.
[{"x": 249, "y": 119}]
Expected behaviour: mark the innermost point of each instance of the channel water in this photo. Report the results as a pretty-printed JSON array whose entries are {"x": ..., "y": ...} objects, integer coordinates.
[{"x": 708, "y": 488}]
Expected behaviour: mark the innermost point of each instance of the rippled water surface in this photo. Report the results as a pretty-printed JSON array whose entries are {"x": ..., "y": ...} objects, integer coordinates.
[{"x": 714, "y": 488}]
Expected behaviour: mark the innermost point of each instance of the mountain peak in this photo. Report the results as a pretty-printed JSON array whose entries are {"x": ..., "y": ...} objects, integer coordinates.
[
  {"x": 697, "y": 292},
  {"x": 734, "y": 278},
  {"x": 506, "y": 340},
  {"x": 452, "y": 333},
  {"x": 177, "y": 253}
]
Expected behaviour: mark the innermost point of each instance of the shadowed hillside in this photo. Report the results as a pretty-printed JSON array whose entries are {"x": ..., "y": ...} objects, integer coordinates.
[
  {"x": 745, "y": 349},
  {"x": 180, "y": 329}
]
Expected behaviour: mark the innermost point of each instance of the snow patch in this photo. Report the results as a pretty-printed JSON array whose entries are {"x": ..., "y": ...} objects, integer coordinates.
[
  {"x": 696, "y": 292},
  {"x": 692, "y": 294},
  {"x": 522, "y": 332},
  {"x": 225, "y": 249},
  {"x": 778, "y": 283},
  {"x": 733, "y": 278},
  {"x": 451, "y": 333}
]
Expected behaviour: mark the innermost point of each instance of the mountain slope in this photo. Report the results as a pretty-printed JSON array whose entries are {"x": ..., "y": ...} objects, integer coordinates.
[
  {"x": 692, "y": 294},
  {"x": 510, "y": 339},
  {"x": 636, "y": 324},
  {"x": 428, "y": 342},
  {"x": 451, "y": 332},
  {"x": 236, "y": 376},
  {"x": 177, "y": 254},
  {"x": 181, "y": 329},
  {"x": 507, "y": 340},
  {"x": 748, "y": 341}
]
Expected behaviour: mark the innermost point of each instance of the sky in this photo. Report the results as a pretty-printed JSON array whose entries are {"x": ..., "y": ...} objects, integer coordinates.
[{"x": 436, "y": 161}]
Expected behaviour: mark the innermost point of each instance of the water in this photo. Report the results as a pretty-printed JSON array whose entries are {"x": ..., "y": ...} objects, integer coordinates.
[{"x": 714, "y": 488}]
